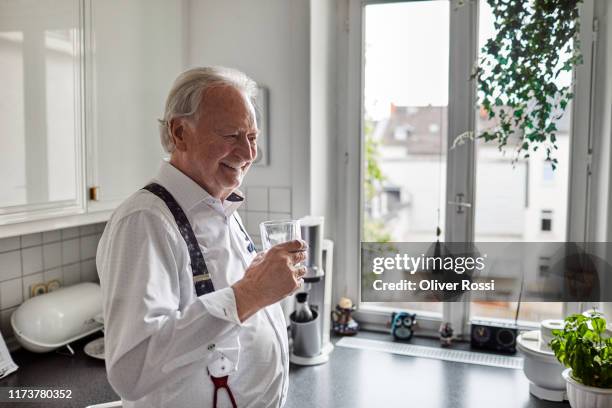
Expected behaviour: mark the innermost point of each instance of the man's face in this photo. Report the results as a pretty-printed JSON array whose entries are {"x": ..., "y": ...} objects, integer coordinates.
[{"x": 221, "y": 145}]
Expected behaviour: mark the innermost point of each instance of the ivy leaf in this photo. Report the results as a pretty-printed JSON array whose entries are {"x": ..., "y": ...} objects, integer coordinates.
[{"x": 533, "y": 43}]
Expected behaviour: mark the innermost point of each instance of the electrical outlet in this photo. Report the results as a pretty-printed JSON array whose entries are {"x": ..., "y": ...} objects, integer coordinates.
[
  {"x": 53, "y": 285},
  {"x": 38, "y": 289}
]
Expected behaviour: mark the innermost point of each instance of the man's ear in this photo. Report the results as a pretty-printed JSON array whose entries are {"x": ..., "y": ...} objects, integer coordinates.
[{"x": 180, "y": 129}]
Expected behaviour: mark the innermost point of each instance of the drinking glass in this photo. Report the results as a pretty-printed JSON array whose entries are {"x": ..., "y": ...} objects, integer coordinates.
[{"x": 277, "y": 232}]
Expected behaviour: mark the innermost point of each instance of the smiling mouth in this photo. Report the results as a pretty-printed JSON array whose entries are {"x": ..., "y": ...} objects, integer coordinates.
[{"x": 234, "y": 168}]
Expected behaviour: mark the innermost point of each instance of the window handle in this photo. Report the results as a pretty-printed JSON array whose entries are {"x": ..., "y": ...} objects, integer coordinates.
[{"x": 460, "y": 204}]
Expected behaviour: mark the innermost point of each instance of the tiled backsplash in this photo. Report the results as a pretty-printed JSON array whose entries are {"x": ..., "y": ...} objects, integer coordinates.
[
  {"x": 66, "y": 255},
  {"x": 262, "y": 204}
]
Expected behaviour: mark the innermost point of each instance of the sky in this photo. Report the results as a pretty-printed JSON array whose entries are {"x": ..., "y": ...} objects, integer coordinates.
[{"x": 407, "y": 54}]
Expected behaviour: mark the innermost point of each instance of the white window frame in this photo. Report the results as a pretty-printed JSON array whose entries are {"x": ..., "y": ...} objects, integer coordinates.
[{"x": 462, "y": 97}]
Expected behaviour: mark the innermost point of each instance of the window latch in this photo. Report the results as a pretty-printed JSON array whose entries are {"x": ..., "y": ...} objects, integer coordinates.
[{"x": 460, "y": 204}]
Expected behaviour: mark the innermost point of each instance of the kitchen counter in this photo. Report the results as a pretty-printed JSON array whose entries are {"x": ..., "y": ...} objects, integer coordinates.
[
  {"x": 352, "y": 378},
  {"x": 363, "y": 378},
  {"x": 84, "y": 375}
]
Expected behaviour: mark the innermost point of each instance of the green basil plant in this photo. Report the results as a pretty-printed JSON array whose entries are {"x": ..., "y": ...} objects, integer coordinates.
[{"x": 584, "y": 346}]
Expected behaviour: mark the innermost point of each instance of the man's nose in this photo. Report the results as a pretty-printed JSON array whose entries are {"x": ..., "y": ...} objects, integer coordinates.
[{"x": 246, "y": 149}]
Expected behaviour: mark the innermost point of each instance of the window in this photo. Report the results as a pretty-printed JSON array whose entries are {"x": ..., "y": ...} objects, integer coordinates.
[
  {"x": 544, "y": 266},
  {"x": 546, "y": 220},
  {"x": 421, "y": 185},
  {"x": 405, "y": 114},
  {"x": 548, "y": 175},
  {"x": 509, "y": 196}
]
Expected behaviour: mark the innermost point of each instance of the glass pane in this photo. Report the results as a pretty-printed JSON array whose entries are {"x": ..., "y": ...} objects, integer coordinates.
[
  {"x": 405, "y": 124},
  {"x": 62, "y": 109},
  {"x": 38, "y": 102},
  {"x": 525, "y": 201},
  {"x": 12, "y": 120}
]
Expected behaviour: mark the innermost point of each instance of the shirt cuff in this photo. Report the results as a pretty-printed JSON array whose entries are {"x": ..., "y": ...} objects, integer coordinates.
[{"x": 222, "y": 304}]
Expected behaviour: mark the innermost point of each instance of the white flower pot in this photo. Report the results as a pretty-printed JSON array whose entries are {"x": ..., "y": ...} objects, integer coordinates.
[{"x": 582, "y": 396}]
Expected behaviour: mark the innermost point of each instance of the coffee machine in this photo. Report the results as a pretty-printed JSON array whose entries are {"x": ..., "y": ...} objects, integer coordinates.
[{"x": 311, "y": 340}]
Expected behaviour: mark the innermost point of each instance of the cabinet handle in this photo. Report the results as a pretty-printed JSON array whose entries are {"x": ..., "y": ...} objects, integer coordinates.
[{"x": 93, "y": 193}]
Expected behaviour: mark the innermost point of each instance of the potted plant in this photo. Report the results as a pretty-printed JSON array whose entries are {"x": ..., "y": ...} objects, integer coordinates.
[
  {"x": 535, "y": 43},
  {"x": 585, "y": 347}
]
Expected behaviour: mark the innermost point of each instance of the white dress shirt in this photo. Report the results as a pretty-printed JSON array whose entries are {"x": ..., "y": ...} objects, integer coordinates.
[{"x": 160, "y": 338}]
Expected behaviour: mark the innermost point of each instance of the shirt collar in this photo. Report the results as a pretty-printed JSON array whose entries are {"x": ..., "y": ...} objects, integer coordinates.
[{"x": 188, "y": 193}]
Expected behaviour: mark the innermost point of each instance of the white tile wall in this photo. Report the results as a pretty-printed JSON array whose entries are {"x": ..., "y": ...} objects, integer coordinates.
[
  {"x": 54, "y": 274},
  {"x": 52, "y": 255},
  {"x": 70, "y": 233},
  {"x": 89, "y": 229},
  {"x": 72, "y": 273},
  {"x": 32, "y": 260},
  {"x": 10, "y": 265},
  {"x": 257, "y": 199},
  {"x": 254, "y": 218},
  {"x": 8, "y": 244},
  {"x": 89, "y": 245},
  {"x": 70, "y": 250},
  {"x": 31, "y": 240},
  {"x": 88, "y": 271},
  {"x": 280, "y": 200},
  {"x": 11, "y": 293},
  {"x": 279, "y": 216},
  {"x": 52, "y": 236},
  {"x": 66, "y": 255}
]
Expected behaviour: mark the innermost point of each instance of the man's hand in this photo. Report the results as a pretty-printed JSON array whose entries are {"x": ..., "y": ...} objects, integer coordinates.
[{"x": 271, "y": 276}]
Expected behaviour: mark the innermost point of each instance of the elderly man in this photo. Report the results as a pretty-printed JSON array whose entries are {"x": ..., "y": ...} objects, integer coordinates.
[{"x": 191, "y": 312}]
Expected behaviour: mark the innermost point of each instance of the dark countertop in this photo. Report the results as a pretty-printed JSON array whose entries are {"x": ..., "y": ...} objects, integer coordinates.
[
  {"x": 359, "y": 378},
  {"x": 352, "y": 378},
  {"x": 84, "y": 375}
]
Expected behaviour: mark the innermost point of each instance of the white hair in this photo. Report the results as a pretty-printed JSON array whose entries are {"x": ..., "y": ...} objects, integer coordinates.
[{"x": 186, "y": 93}]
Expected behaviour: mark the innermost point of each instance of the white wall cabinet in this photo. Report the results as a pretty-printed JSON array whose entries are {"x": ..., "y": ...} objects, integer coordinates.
[
  {"x": 135, "y": 52},
  {"x": 83, "y": 82},
  {"x": 41, "y": 134}
]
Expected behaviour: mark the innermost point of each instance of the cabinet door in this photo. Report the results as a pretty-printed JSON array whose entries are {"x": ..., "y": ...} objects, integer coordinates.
[
  {"x": 40, "y": 109},
  {"x": 136, "y": 52}
]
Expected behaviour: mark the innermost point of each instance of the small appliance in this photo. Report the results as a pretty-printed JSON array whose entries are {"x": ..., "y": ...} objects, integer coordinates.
[
  {"x": 541, "y": 367},
  {"x": 495, "y": 336},
  {"x": 311, "y": 340},
  {"x": 47, "y": 322}
]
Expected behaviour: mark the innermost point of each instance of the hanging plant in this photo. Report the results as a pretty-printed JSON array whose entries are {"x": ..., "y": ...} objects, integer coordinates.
[{"x": 535, "y": 42}]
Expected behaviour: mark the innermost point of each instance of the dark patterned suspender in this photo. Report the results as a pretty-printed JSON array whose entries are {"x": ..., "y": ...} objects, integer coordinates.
[{"x": 201, "y": 278}]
